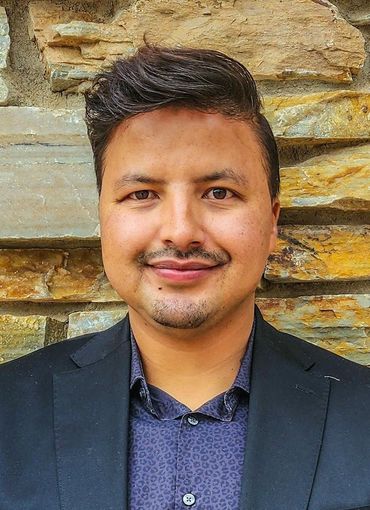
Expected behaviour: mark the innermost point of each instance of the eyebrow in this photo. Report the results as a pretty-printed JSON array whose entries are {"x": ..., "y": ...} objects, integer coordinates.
[
  {"x": 225, "y": 174},
  {"x": 135, "y": 178}
]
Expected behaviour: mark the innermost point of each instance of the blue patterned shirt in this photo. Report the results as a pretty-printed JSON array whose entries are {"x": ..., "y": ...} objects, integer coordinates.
[{"x": 181, "y": 459}]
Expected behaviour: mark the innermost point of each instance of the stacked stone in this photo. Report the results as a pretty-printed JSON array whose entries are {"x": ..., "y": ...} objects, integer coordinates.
[
  {"x": 52, "y": 282},
  {"x": 4, "y": 52}
]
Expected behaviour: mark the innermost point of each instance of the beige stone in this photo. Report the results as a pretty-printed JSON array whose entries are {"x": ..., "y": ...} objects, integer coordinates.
[
  {"x": 318, "y": 253},
  {"x": 332, "y": 50},
  {"x": 76, "y": 32},
  {"x": 337, "y": 323},
  {"x": 44, "y": 14},
  {"x": 20, "y": 335},
  {"x": 4, "y": 38},
  {"x": 103, "y": 50},
  {"x": 31, "y": 125},
  {"x": 80, "y": 323},
  {"x": 337, "y": 116},
  {"x": 68, "y": 70},
  {"x": 338, "y": 180},
  {"x": 54, "y": 275},
  {"x": 48, "y": 192}
]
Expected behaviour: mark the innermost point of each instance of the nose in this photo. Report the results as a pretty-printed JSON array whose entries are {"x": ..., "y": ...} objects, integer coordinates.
[{"x": 181, "y": 223}]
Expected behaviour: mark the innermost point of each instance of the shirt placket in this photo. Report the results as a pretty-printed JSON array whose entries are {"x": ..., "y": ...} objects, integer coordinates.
[{"x": 187, "y": 495}]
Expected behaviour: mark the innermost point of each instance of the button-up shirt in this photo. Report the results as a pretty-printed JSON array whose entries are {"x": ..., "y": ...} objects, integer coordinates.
[{"x": 179, "y": 458}]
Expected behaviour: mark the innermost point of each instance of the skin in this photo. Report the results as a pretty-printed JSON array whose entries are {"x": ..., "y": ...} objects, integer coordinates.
[{"x": 186, "y": 187}]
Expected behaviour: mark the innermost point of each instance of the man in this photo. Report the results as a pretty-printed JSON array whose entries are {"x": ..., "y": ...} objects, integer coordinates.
[{"x": 193, "y": 401}]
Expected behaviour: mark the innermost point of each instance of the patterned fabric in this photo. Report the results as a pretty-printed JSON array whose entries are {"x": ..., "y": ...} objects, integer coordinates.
[{"x": 180, "y": 459}]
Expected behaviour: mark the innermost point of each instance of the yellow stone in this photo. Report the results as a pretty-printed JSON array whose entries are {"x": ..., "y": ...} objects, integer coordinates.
[
  {"x": 48, "y": 275},
  {"x": 20, "y": 335},
  {"x": 318, "y": 253},
  {"x": 339, "y": 323},
  {"x": 337, "y": 116},
  {"x": 339, "y": 180}
]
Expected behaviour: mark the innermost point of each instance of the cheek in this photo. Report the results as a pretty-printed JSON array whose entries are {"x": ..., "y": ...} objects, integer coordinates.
[
  {"x": 122, "y": 235},
  {"x": 246, "y": 238}
]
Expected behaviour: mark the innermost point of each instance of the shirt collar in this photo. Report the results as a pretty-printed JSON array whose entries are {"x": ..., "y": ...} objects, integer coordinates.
[{"x": 230, "y": 397}]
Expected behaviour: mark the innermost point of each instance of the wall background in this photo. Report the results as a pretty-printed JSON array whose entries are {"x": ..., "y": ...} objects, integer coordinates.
[{"x": 311, "y": 59}]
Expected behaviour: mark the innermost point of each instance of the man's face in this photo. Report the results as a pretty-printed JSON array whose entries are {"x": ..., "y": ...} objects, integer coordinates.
[{"x": 187, "y": 221}]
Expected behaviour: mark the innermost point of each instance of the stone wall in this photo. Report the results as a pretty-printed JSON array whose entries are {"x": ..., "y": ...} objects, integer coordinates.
[{"x": 311, "y": 58}]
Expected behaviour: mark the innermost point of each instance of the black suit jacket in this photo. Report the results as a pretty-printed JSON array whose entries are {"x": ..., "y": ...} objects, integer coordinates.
[{"x": 64, "y": 425}]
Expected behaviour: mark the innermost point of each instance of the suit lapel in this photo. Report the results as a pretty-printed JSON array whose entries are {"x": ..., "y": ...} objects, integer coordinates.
[
  {"x": 285, "y": 426},
  {"x": 91, "y": 414}
]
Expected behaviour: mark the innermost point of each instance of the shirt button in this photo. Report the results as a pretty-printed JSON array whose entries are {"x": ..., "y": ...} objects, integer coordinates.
[
  {"x": 188, "y": 499},
  {"x": 193, "y": 420}
]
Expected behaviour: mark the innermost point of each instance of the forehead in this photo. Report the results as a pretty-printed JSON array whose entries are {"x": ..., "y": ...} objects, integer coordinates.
[
  {"x": 167, "y": 123},
  {"x": 175, "y": 138}
]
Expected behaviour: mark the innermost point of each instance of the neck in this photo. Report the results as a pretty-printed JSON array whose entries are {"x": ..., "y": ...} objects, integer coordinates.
[{"x": 193, "y": 365}]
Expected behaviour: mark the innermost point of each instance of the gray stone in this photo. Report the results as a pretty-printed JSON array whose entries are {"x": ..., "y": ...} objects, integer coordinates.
[
  {"x": 4, "y": 92},
  {"x": 4, "y": 38},
  {"x": 48, "y": 191},
  {"x": 88, "y": 322},
  {"x": 31, "y": 125},
  {"x": 361, "y": 19}
]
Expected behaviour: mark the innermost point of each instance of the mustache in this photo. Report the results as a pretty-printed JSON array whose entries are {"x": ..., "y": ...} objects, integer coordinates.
[{"x": 198, "y": 253}]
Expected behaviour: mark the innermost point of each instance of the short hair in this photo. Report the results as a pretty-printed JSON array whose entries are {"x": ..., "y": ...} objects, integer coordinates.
[{"x": 156, "y": 77}]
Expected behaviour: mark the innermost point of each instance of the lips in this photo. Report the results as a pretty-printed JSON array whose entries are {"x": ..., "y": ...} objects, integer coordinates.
[
  {"x": 182, "y": 271},
  {"x": 181, "y": 266}
]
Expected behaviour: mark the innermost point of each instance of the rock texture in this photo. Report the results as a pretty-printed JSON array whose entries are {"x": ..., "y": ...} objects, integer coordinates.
[
  {"x": 47, "y": 275},
  {"x": 80, "y": 323},
  {"x": 20, "y": 335},
  {"x": 74, "y": 47},
  {"x": 337, "y": 116},
  {"x": 52, "y": 147},
  {"x": 48, "y": 192},
  {"x": 312, "y": 253},
  {"x": 337, "y": 323},
  {"x": 4, "y": 92},
  {"x": 361, "y": 20},
  {"x": 4, "y": 38},
  {"x": 338, "y": 180},
  {"x": 32, "y": 125},
  {"x": 46, "y": 175}
]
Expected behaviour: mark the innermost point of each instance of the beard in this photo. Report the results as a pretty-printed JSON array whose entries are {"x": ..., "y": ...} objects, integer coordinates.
[{"x": 179, "y": 314}]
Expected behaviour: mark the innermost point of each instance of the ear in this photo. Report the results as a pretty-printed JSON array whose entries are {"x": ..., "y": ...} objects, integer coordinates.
[{"x": 275, "y": 211}]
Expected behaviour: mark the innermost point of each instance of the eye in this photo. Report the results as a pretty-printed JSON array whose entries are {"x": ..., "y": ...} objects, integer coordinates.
[
  {"x": 219, "y": 193},
  {"x": 143, "y": 194}
]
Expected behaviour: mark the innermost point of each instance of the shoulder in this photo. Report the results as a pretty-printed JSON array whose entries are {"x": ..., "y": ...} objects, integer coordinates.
[
  {"x": 67, "y": 354},
  {"x": 49, "y": 359}
]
